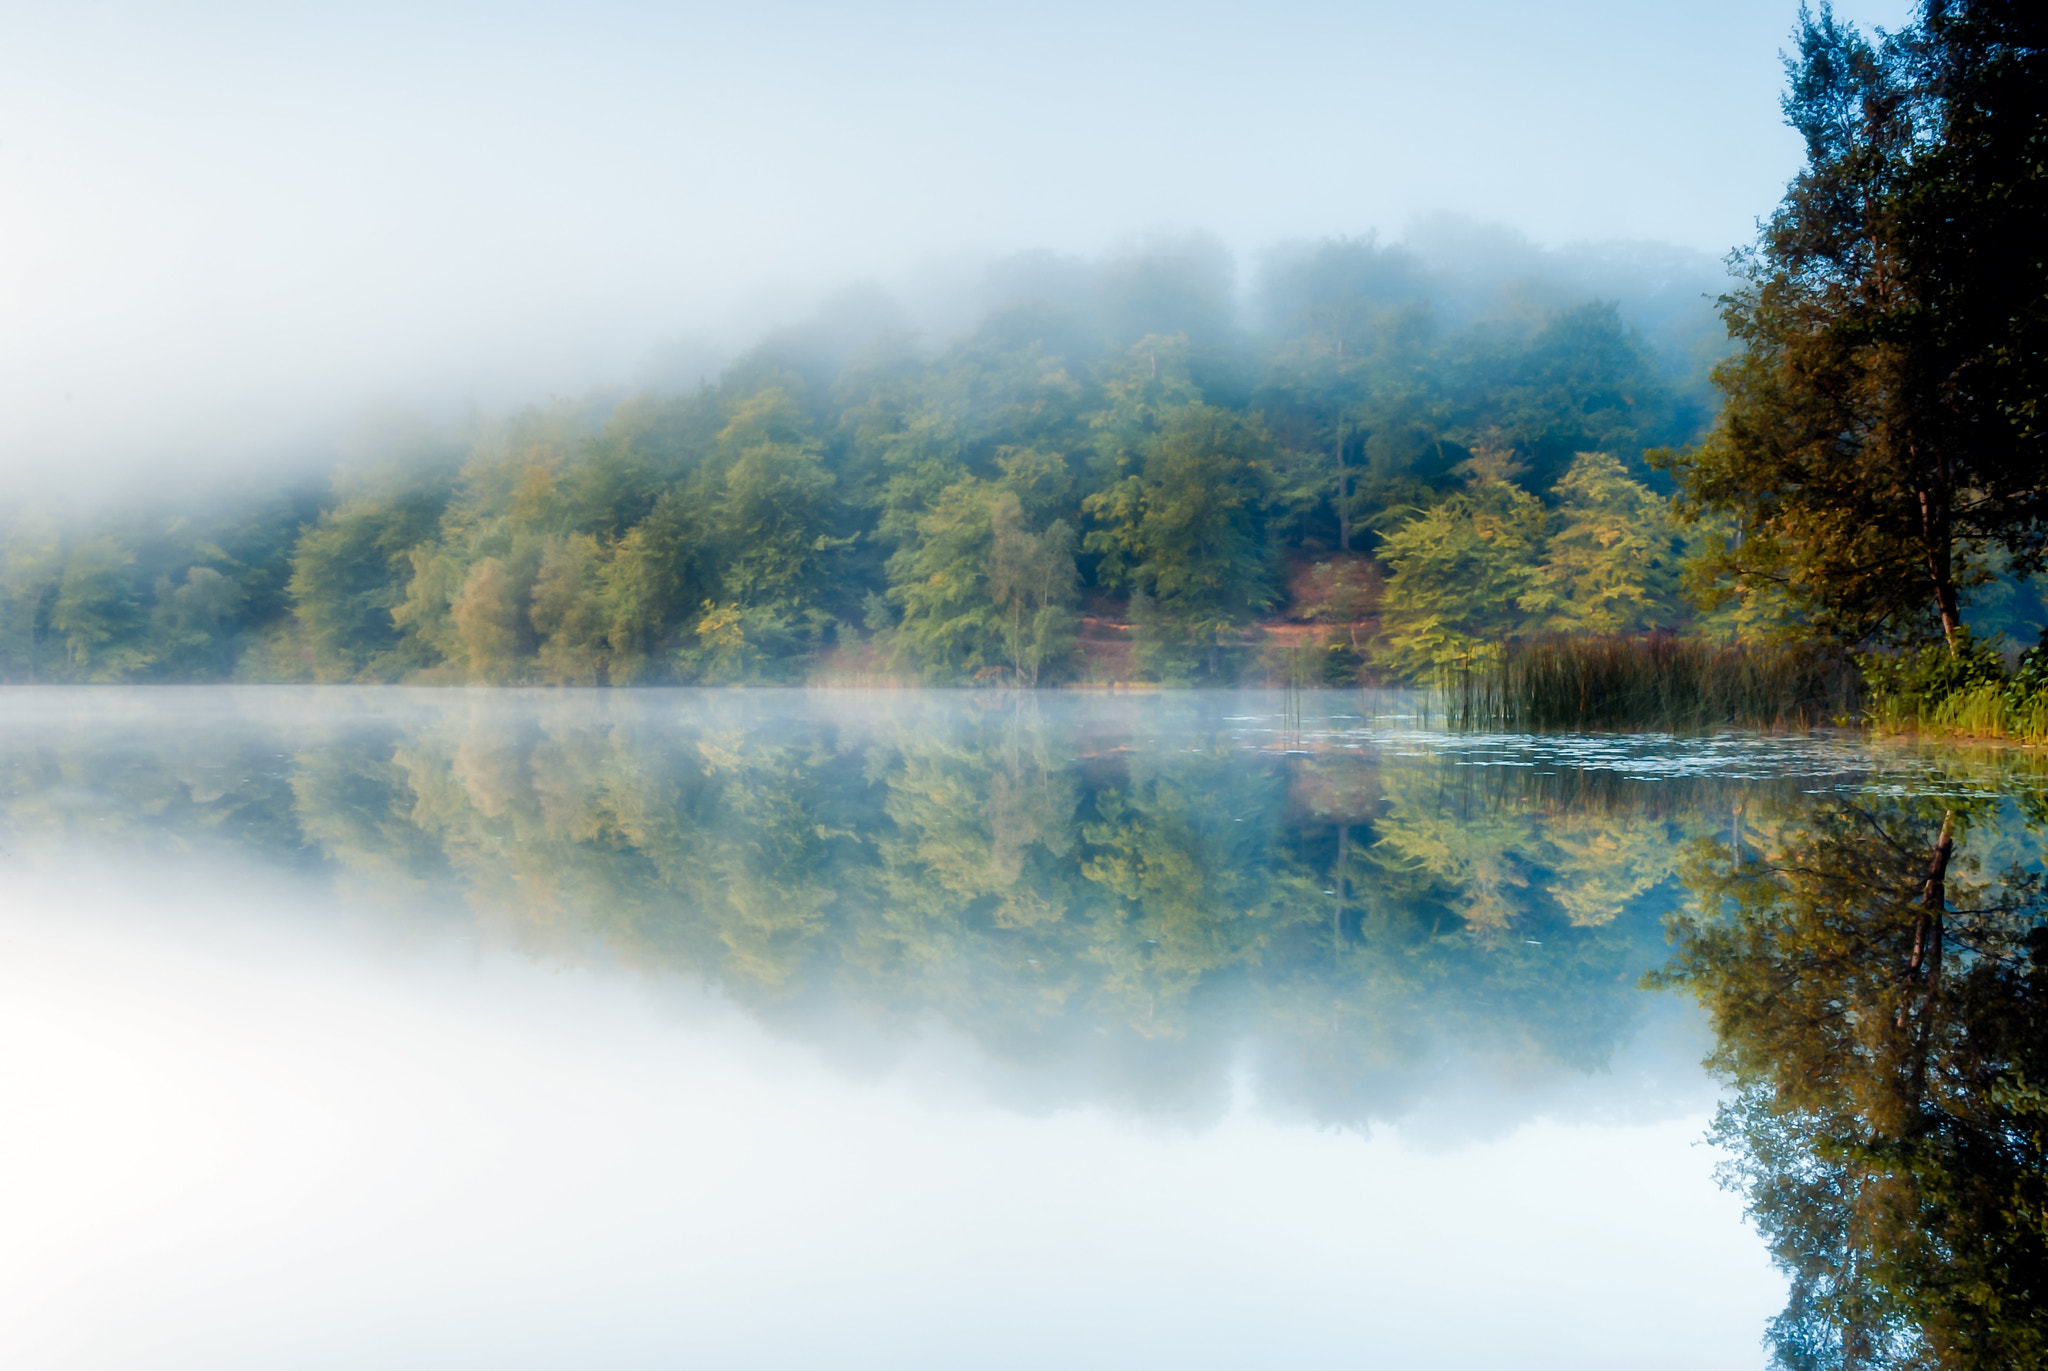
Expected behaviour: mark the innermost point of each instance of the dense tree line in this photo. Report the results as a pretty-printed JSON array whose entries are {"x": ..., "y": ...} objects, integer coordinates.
[
  {"x": 1118, "y": 471},
  {"x": 1134, "y": 447}
]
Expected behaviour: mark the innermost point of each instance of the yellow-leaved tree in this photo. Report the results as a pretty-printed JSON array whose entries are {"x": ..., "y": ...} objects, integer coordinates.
[
  {"x": 1459, "y": 575},
  {"x": 1612, "y": 563}
]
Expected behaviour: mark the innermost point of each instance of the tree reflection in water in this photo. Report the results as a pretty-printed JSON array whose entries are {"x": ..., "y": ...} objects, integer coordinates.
[
  {"x": 1127, "y": 903},
  {"x": 1135, "y": 901},
  {"x": 1878, "y": 1005}
]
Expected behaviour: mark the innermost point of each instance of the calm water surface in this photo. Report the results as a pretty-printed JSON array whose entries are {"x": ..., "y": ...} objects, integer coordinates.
[{"x": 656, "y": 1029}]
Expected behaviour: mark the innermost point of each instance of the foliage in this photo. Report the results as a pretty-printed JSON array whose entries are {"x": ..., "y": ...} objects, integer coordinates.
[
  {"x": 1906, "y": 688},
  {"x": 1611, "y": 564},
  {"x": 1187, "y": 530},
  {"x": 951, "y": 622},
  {"x": 96, "y": 612},
  {"x": 568, "y": 611},
  {"x": 1877, "y": 456},
  {"x": 346, "y": 582},
  {"x": 1878, "y": 440},
  {"x": 1031, "y": 579},
  {"x": 736, "y": 644},
  {"x": 1963, "y": 688},
  {"x": 1461, "y": 574},
  {"x": 949, "y": 512}
]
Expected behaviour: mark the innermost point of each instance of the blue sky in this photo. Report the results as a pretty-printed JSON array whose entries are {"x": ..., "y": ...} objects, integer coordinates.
[{"x": 222, "y": 225}]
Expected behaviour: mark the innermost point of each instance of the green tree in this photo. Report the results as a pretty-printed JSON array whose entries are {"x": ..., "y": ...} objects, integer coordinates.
[
  {"x": 1580, "y": 380},
  {"x": 1871, "y": 448},
  {"x": 568, "y": 611},
  {"x": 774, "y": 512},
  {"x": 426, "y": 614},
  {"x": 1189, "y": 529},
  {"x": 646, "y": 583},
  {"x": 193, "y": 622},
  {"x": 1031, "y": 579},
  {"x": 817, "y": 481},
  {"x": 1460, "y": 575},
  {"x": 350, "y": 571},
  {"x": 31, "y": 567},
  {"x": 952, "y": 625},
  {"x": 489, "y": 614},
  {"x": 1611, "y": 563},
  {"x": 1975, "y": 199},
  {"x": 98, "y": 614},
  {"x": 736, "y": 644},
  {"x": 1149, "y": 386}
]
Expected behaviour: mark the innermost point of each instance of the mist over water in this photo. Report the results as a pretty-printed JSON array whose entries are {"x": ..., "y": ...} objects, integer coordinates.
[
  {"x": 403, "y": 1026},
  {"x": 406, "y": 1026},
  {"x": 396, "y": 1026}
]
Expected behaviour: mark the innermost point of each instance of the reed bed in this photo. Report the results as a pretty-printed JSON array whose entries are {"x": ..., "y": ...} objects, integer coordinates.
[{"x": 1659, "y": 683}]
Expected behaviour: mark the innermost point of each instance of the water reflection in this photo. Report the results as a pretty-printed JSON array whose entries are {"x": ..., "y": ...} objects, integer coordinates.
[
  {"x": 1158, "y": 905},
  {"x": 1875, "y": 965},
  {"x": 1122, "y": 901}
]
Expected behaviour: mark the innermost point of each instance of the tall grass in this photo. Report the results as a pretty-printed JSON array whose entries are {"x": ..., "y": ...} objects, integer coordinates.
[
  {"x": 1990, "y": 710},
  {"x": 1661, "y": 682},
  {"x": 1961, "y": 689}
]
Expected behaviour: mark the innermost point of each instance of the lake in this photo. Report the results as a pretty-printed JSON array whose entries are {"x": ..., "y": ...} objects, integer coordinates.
[{"x": 396, "y": 1028}]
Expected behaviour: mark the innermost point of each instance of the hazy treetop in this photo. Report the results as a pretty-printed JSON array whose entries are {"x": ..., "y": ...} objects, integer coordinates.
[{"x": 226, "y": 228}]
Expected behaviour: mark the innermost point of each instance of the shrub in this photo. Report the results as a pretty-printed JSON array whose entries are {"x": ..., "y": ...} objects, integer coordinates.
[
  {"x": 1908, "y": 689},
  {"x": 1967, "y": 691}
]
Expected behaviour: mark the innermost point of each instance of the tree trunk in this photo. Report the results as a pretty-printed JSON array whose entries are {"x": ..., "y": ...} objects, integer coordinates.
[
  {"x": 1925, "y": 963},
  {"x": 1933, "y": 896},
  {"x": 1343, "y": 498},
  {"x": 1934, "y": 534}
]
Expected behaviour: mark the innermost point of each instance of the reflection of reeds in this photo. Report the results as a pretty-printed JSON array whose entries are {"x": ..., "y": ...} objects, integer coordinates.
[{"x": 1657, "y": 682}]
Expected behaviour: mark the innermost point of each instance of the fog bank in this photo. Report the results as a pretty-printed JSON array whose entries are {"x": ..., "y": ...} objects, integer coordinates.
[{"x": 225, "y": 232}]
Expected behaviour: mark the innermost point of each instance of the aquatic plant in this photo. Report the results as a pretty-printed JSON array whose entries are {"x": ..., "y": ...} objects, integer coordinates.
[{"x": 1658, "y": 681}]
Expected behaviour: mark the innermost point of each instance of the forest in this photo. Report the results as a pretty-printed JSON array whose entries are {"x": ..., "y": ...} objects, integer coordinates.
[
  {"x": 1122, "y": 472},
  {"x": 1376, "y": 462}
]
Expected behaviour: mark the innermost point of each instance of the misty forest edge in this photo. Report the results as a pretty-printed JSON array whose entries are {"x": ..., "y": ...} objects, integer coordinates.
[{"x": 1382, "y": 474}]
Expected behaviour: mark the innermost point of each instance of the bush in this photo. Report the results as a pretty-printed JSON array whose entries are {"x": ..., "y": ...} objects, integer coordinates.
[
  {"x": 1908, "y": 689},
  {"x": 1965, "y": 691}
]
